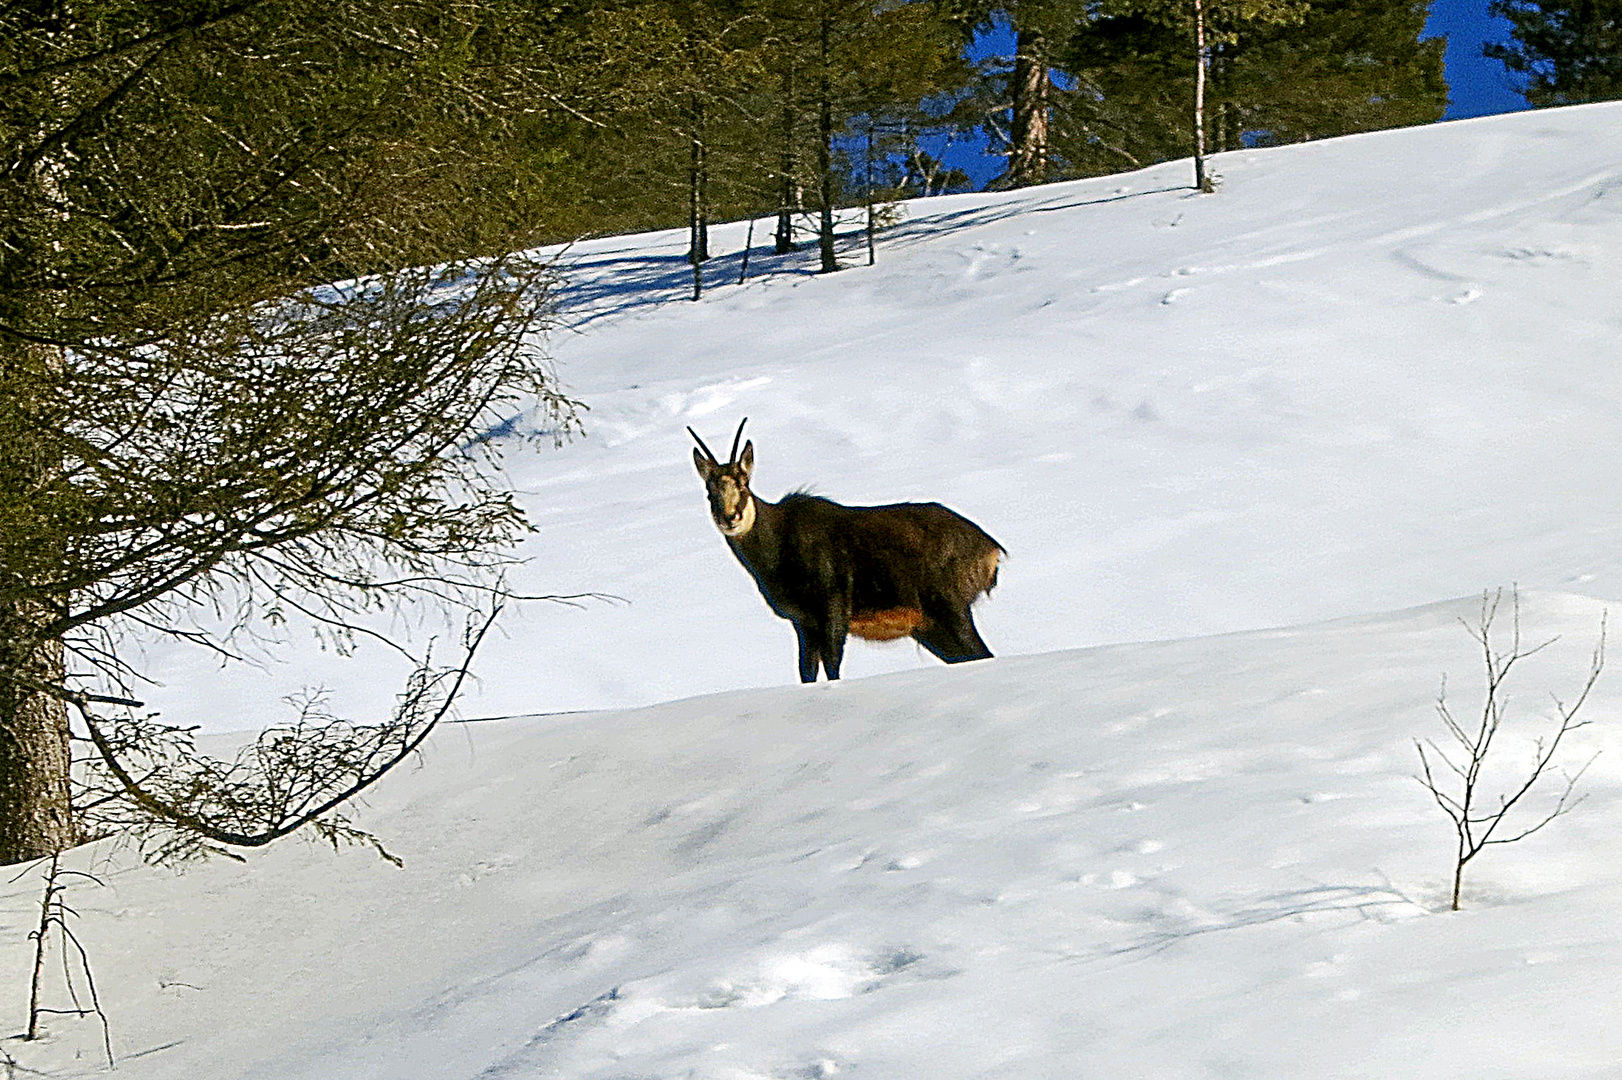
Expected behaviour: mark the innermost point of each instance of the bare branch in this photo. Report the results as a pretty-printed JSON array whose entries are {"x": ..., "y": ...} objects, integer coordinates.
[
  {"x": 1475, "y": 829},
  {"x": 290, "y": 778}
]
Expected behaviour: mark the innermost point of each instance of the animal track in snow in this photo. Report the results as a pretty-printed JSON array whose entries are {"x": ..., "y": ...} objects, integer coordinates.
[
  {"x": 1537, "y": 255},
  {"x": 985, "y": 257},
  {"x": 1115, "y": 879},
  {"x": 1326, "y": 969},
  {"x": 709, "y": 399},
  {"x": 827, "y": 972}
]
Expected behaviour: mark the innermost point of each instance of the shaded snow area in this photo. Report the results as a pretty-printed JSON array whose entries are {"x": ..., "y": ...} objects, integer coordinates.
[{"x": 1371, "y": 376}]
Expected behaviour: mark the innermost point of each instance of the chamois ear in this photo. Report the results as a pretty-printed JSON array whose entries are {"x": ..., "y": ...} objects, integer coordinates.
[
  {"x": 746, "y": 461},
  {"x": 703, "y": 463}
]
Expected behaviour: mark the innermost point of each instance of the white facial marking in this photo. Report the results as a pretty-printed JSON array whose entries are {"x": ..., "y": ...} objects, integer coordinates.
[{"x": 745, "y": 523}]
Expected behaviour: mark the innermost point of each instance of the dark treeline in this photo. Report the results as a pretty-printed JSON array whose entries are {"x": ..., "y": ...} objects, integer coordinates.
[
  {"x": 1563, "y": 52},
  {"x": 596, "y": 117},
  {"x": 1100, "y": 86},
  {"x": 699, "y": 110},
  {"x": 690, "y": 111}
]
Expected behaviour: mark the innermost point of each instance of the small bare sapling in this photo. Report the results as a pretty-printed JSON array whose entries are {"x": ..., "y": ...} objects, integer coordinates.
[
  {"x": 1454, "y": 774},
  {"x": 54, "y": 914}
]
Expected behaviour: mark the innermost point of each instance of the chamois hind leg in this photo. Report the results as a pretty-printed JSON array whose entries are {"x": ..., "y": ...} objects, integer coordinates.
[
  {"x": 810, "y": 655},
  {"x": 833, "y": 645},
  {"x": 953, "y": 638}
]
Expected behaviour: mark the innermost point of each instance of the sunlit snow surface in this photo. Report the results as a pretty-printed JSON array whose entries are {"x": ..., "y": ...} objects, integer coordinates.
[
  {"x": 1373, "y": 372},
  {"x": 1371, "y": 375}
]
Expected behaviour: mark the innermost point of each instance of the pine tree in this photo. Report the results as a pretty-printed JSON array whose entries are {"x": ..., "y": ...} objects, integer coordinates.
[
  {"x": 1130, "y": 105},
  {"x": 1566, "y": 51},
  {"x": 1201, "y": 26},
  {"x": 842, "y": 66},
  {"x": 1017, "y": 95},
  {"x": 1346, "y": 66},
  {"x": 681, "y": 125},
  {"x": 187, "y": 415},
  {"x": 1349, "y": 66}
]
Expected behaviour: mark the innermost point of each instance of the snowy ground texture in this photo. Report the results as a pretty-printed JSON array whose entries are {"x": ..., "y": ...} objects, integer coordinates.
[{"x": 1372, "y": 375}]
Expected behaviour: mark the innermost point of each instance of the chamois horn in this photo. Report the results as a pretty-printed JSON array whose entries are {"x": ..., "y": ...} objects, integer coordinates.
[
  {"x": 707, "y": 452},
  {"x": 710, "y": 453}
]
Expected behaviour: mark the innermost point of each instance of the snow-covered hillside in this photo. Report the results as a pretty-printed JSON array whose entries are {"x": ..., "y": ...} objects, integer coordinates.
[
  {"x": 1371, "y": 373},
  {"x": 1371, "y": 376},
  {"x": 1201, "y": 859}
]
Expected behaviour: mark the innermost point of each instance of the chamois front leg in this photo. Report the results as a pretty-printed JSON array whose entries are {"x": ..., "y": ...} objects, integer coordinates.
[
  {"x": 953, "y": 638},
  {"x": 810, "y": 656}
]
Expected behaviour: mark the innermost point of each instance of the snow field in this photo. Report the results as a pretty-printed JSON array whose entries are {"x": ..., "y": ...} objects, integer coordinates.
[{"x": 1200, "y": 859}]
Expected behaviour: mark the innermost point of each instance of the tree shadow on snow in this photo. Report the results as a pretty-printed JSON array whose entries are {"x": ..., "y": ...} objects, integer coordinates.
[
  {"x": 617, "y": 282},
  {"x": 1368, "y": 902}
]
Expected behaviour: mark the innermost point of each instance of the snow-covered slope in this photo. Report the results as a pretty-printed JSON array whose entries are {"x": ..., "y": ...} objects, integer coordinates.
[
  {"x": 1194, "y": 859},
  {"x": 1372, "y": 372},
  {"x": 1371, "y": 375}
]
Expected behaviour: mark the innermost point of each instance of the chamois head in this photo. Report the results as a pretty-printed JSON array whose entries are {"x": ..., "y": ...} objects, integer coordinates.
[{"x": 731, "y": 505}]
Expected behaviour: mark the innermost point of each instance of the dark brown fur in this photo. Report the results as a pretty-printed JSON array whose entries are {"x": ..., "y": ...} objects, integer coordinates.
[{"x": 876, "y": 572}]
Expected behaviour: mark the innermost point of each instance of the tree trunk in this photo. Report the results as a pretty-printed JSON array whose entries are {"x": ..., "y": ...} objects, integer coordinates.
[
  {"x": 1225, "y": 126},
  {"x": 1202, "y": 179},
  {"x": 1028, "y": 154},
  {"x": 697, "y": 185},
  {"x": 825, "y": 147},
  {"x": 35, "y": 816},
  {"x": 790, "y": 199},
  {"x": 698, "y": 233},
  {"x": 867, "y": 185}
]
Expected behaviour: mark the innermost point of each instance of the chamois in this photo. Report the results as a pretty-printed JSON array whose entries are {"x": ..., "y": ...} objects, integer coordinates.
[{"x": 878, "y": 572}]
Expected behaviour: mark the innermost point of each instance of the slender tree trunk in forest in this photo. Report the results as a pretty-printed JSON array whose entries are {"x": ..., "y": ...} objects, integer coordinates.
[
  {"x": 867, "y": 186},
  {"x": 698, "y": 226},
  {"x": 825, "y": 146},
  {"x": 1202, "y": 179},
  {"x": 1028, "y": 154},
  {"x": 1225, "y": 127},
  {"x": 35, "y": 816},
  {"x": 789, "y": 201}
]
